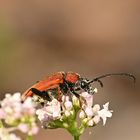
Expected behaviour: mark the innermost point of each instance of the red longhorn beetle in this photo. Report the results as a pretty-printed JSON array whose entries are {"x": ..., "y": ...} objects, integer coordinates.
[{"x": 62, "y": 83}]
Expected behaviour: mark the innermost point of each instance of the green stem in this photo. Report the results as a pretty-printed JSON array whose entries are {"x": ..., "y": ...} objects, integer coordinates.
[
  {"x": 29, "y": 137},
  {"x": 76, "y": 137},
  {"x": 1, "y": 124}
]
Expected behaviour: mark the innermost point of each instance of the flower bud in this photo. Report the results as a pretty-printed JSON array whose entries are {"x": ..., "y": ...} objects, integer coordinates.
[
  {"x": 75, "y": 101},
  {"x": 89, "y": 112},
  {"x": 23, "y": 127},
  {"x": 88, "y": 98},
  {"x": 96, "y": 119},
  {"x": 82, "y": 115},
  {"x": 68, "y": 105},
  {"x": 34, "y": 130},
  {"x": 71, "y": 112},
  {"x": 96, "y": 108},
  {"x": 90, "y": 122},
  {"x": 12, "y": 136},
  {"x": 67, "y": 113},
  {"x": 8, "y": 110},
  {"x": 84, "y": 121}
]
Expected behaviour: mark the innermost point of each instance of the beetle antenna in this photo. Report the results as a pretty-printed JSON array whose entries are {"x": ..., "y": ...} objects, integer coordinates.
[
  {"x": 100, "y": 82},
  {"x": 112, "y": 74}
]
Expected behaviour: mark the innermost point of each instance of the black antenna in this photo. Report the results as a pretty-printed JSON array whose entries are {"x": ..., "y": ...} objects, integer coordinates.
[{"x": 112, "y": 74}]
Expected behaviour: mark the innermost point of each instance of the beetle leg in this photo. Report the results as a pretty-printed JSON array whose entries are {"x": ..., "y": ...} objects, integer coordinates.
[
  {"x": 58, "y": 90},
  {"x": 81, "y": 99},
  {"x": 36, "y": 91},
  {"x": 43, "y": 94},
  {"x": 75, "y": 93},
  {"x": 59, "y": 93}
]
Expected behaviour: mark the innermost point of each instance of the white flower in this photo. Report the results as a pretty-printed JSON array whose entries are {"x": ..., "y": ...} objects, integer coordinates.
[
  {"x": 96, "y": 108},
  {"x": 34, "y": 130},
  {"x": 42, "y": 115},
  {"x": 68, "y": 104},
  {"x": 12, "y": 136},
  {"x": 104, "y": 113},
  {"x": 89, "y": 112},
  {"x": 51, "y": 111},
  {"x": 94, "y": 112},
  {"x": 12, "y": 106},
  {"x": 54, "y": 109},
  {"x": 23, "y": 127},
  {"x": 67, "y": 113},
  {"x": 4, "y": 135},
  {"x": 82, "y": 114},
  {"x": 28, "y": 106},
  {"x": 18, "y": 114},
  {"x": 88, "y": 97},
  {"x": 90, "y": 122},
  {"x": 96, "y": 119},
  {"x": 68, "y": 107},
  {"x": 75, "y": 101}
]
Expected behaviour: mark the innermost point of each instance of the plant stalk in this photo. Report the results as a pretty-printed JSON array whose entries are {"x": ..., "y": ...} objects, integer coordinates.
[
  {"x": 76, "y": 137},
  {"x": 29, "y": 137}
]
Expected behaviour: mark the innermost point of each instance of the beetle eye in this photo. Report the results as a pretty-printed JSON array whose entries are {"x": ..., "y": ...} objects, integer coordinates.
[{"x": 83, "y": 84}]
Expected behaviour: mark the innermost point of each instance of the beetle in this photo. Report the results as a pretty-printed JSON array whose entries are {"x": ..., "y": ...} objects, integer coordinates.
[
  {"x": 65, "y": 83},
  {"x": 54, "y": 84}
]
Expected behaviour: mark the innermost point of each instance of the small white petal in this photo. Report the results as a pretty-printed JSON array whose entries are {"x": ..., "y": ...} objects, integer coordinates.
[
  {"x": 82, "y": 115},
  {"x": 67, "y": 113},
  {"x": 53, "y": 109},
  {"x": 7, "y": 95},
  {"x": 34, "y": 130},
  {"x": 85, "y": 120},
  {"x": 90, "y": 122},
  {"x": 67, "y": 98},
  {"x": 96, "y": 119},
  {"x": 106, "y": 105},
  {"x": 23, "y": 127},
  {"x": 89, "y": 112},
  {"x": 8, "y": 110},
  {"x": 68, "y": 105},
  {"x": 88, "y": 97},
  {"x": 75, "y": 101},
  {"x": 17, "y": 97},
  {"x": 96, "y": 108},
  {"x": 63, "y": 98},
  {"x": 71, "y": 112},
  {"x": 104, "y": 113},
  {"x": 95, "y": 90},
  {"x": 13, "y": 137}
]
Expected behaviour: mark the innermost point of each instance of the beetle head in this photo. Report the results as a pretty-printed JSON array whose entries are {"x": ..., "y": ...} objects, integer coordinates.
[{"x": 84, "y": 84}]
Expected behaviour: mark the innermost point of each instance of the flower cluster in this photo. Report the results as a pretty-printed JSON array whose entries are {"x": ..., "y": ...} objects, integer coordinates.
[
  {"x": 90, "y": 115},
  {"x": 63, "y": 114},
  {"x": 5, "y": 135},
  {"x": 17, "y": 116}
]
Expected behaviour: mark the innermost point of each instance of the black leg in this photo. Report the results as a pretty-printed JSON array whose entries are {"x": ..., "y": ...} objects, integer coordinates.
[
  {"x": 43, "y": 94},
  {"x": 36, "y": 91},
  {"x": 68, "y": 87},
  {"x": 76, "y": 94}
]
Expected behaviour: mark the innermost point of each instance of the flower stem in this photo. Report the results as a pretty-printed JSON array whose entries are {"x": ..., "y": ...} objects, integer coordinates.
[
  {"x": 76, "y": 137},
  {"x": 29, "y": 137},
  {"x": 1, "y": 124}
]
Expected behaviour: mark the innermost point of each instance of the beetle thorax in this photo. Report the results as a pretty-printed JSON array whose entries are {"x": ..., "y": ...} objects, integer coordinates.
[{"x": 72, "y": 77}]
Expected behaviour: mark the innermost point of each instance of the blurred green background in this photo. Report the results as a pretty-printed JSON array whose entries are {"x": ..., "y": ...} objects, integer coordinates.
[{"x": 40, "y": 37}]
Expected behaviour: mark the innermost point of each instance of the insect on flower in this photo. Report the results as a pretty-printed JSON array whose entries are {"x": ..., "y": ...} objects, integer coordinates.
[{"x": 65, "y": 83}]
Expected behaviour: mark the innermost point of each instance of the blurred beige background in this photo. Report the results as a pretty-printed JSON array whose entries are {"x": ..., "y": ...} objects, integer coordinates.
[{"x": 40, "y": 37}]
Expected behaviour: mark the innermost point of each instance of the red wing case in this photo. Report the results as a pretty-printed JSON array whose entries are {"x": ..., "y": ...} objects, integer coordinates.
[{"x": 45, "y": 84}]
